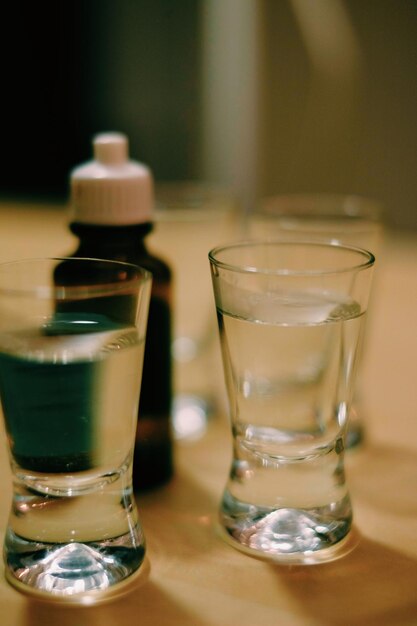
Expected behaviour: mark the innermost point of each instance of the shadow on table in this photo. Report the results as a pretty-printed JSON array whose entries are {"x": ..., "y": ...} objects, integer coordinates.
[
  {"x": 148, "y": 605},
  {"x": 372, "y": 586},
  {"x": 384, "y": 477}
]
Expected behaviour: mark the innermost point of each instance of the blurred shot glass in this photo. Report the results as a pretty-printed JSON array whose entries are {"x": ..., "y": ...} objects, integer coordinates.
[
  {"x": 350, "y": 219},
  {"x": 190, "y": 218}
]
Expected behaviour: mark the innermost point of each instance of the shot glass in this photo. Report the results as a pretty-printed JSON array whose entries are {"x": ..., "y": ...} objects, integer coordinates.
[
  {"x": 190, "y": 218},
  {"x": 351, "y": 219},
  {"x": 72, "y": 335},
  {"x": 290, "y": 316}
]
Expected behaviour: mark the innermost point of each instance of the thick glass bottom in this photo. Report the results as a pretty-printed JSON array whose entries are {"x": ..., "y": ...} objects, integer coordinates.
[
  {"x": 75, "y": 572},
  {"x": 288, "y": 535}
]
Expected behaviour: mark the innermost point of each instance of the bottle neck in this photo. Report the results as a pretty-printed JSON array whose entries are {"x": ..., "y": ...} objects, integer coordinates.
[{"x": 99, "y": 236}]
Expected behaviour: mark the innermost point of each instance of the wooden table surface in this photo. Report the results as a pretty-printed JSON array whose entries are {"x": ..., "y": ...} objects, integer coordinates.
[{"x": 197, "y": 580}]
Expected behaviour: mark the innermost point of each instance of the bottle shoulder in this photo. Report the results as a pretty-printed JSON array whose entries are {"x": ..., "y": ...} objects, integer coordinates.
[
  {"x": 120, "y": 243},
  {"x": 157, "y": 266}
]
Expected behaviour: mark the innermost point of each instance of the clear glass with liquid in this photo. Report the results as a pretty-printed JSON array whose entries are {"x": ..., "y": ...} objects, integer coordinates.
[
  {"x": 289, "y": 351},
  {"x": 69, "y": 388}
]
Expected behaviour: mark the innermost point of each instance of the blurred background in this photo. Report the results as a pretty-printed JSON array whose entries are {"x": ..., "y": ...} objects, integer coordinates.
[{"x": 264, "y": 96}]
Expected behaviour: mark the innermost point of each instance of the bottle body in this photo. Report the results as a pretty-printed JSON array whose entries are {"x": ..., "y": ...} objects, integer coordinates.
[{"x": 153, "y": 456}]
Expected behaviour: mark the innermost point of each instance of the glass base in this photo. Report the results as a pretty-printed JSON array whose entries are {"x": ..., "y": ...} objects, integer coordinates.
[
  {"x": 75, "y": 572},
  {"x": 288, "y": 535}
]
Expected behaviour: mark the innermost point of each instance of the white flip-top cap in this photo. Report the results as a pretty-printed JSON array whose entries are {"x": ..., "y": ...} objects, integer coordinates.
[{"x": 111, "y": 189}]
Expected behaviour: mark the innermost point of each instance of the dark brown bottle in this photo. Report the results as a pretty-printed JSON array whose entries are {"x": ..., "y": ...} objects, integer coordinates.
[{"x": 112, "y": 200}]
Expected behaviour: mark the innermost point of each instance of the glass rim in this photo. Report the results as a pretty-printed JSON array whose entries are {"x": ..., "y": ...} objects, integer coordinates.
[
  {"x": 368, "y": 257},
  {"x": 360, "y": 210},
  {"x": 86, "y": 290}
]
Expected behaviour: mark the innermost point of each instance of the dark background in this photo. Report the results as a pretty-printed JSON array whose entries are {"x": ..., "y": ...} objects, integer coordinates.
[{"x": 71, "y": 69}]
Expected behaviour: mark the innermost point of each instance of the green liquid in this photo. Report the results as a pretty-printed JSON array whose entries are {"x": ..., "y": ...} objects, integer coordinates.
[
  {"x": 48, "y": 413},
  {"x": 48, "y": 405}
]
